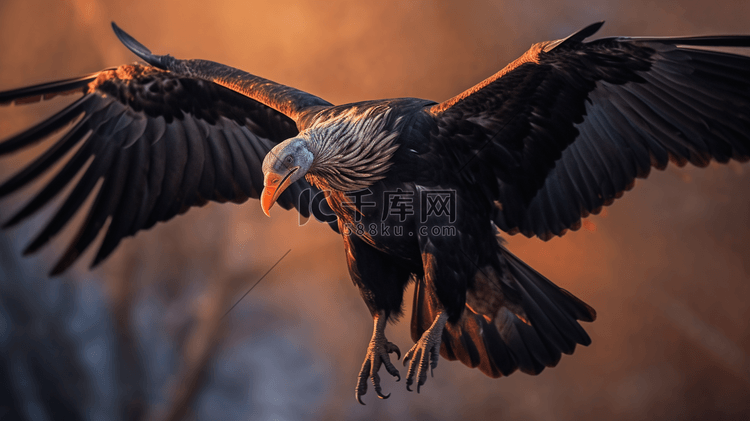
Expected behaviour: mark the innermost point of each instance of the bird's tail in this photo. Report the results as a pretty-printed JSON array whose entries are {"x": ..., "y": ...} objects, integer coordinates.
[{"x": 514, "y": 318}]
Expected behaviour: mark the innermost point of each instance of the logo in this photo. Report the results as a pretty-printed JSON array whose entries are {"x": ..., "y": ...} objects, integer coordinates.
[
  {"x": 438, "y": 203},
  {"x": 397, "y": 206}
]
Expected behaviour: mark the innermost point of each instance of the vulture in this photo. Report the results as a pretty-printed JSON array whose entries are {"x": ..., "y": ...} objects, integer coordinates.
[{"x": 420, "y": 191}]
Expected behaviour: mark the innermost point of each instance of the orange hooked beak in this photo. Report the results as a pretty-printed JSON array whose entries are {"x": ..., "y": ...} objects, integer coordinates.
[{"x": 273, "y": 185}]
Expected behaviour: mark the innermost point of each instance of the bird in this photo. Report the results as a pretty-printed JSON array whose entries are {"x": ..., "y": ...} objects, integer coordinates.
[{"x": 421, "y": 192}]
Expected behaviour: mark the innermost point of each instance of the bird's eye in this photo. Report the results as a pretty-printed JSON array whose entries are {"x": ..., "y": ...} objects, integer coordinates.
[{"x": 289, "y": 160}]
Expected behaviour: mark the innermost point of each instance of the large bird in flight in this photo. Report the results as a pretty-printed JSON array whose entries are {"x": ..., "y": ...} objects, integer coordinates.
[{"x": 418, "y": 190}]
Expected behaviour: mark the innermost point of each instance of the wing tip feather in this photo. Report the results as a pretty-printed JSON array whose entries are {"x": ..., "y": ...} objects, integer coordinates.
[
  {"x": 138, "y": 49},
  {"x": 576, "y": 37}
]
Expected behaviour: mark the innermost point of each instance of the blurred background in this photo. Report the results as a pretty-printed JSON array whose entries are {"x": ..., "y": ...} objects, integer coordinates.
[{"x": 140, "y": 337}]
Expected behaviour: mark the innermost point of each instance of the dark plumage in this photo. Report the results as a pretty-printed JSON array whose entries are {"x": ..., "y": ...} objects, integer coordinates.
[{"x": 418, "y": 190}]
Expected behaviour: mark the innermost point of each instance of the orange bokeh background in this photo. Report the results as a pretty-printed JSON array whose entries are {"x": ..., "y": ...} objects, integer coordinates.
[{"x": 667, "y": 267}]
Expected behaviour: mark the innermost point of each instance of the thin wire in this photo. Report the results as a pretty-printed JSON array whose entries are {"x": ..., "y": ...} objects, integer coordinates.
[{"x": 256, "y": 283}]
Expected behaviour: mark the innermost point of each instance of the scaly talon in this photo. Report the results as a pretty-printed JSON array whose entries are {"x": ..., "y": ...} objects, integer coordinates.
[
  {"x": 425, "y": 353},
  {"x": 377, "y": 355}
]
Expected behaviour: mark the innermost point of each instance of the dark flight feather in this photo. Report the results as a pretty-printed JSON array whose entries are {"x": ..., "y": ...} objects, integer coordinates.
[
  {"x": 161, "y": 141},
  {"x": 587, "y": 115},
  {"x": 527, "y": 333}
]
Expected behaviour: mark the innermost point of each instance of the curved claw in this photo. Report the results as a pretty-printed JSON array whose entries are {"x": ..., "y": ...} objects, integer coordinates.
[
  {"x": 377, "y": 356},
  {"x": 361, "y": 388},
  {"x": 382, "y": 396},
  {"x": 391, "y": 348}
]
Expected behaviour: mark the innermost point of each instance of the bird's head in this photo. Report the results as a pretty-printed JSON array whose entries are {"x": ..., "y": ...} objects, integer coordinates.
[{"x": 286, "y": 163}]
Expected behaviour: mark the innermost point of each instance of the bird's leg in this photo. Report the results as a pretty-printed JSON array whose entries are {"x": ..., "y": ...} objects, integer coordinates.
[
  {"x": 377, "y": 354},
  {"x": 425, "y": 352}
]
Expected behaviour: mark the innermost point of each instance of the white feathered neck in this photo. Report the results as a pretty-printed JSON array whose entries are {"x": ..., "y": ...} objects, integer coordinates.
[{"x": 352, "y": 150}]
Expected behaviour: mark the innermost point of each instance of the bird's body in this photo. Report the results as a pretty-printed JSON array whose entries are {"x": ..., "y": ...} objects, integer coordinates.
[{"x": 418, "y": 190}]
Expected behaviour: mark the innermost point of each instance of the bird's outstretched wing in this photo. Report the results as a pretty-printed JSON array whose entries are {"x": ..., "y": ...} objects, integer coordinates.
[
  {"x": 160, "y": 140},
  {"x": 566, "y": 128}
]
